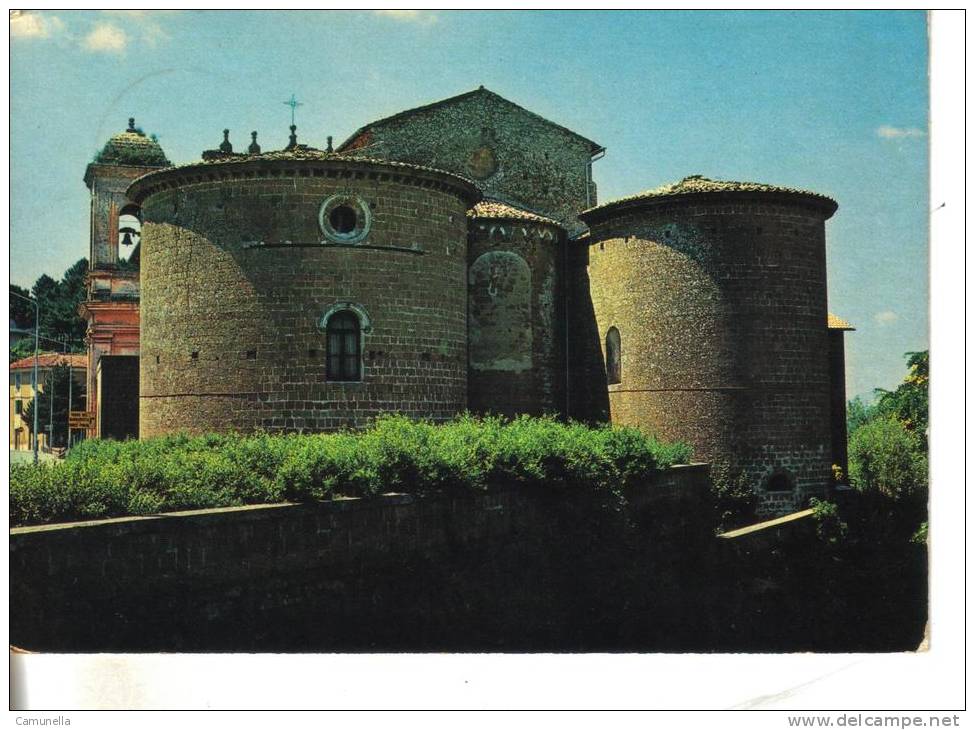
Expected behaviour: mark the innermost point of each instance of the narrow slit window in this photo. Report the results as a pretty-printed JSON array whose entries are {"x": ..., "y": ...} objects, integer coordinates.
[
  {"x": 343, "y": 356},
  {"x": 614, "y": 357}
]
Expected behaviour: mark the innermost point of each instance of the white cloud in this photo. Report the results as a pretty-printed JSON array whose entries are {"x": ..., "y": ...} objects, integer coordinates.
[
  {"x": 105, "y": 38},
  {"x": 153, "y": 34},
  {"x": 144, "y": 24},
  {"x": 30, "y": 24},
  {"x": 139, "y": 13},
  {"x": 409, "y": 16},
  {"x": 887, "y": 132},
  {"x": 886, "y": 317}
]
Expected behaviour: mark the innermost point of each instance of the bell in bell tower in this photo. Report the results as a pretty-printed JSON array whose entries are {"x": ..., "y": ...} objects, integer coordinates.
[{"x": 112, "y": 304}]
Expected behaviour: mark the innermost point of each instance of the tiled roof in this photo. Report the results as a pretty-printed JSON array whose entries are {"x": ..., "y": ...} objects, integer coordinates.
[
  {"x": 497, "y": 209},
  {"x": 300, "y": 154},
  {"x": 695, "y": 184},
  {"x": 306, "y": 153},
  {"x": 835, "y": 323},
  {"x": 47, "y": 359},
  {"x": 595, "y": 147}
]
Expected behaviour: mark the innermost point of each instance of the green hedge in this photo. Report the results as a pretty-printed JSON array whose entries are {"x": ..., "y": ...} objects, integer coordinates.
[
  {"x": 889, "y": 458},
  {"x": 110, "y": 478}
]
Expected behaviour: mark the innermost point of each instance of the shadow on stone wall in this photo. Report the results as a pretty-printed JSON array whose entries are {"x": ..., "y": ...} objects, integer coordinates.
[
  {"x": 504, "y": 571},
  {"x": 589, "y": 393}
]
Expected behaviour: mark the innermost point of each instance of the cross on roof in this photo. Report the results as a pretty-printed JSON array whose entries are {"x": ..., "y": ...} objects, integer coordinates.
[{"x": 294, "y": 104}]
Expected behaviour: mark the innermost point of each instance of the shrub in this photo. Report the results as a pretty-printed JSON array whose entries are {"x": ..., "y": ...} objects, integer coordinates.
[
  {"x": 887, "y": 458},
  {"x": 735, "y": 497},
  {"x": 920, "y": 536},
  {"x": 107, "y": 478},
  {"x": 830, "y": 527}
]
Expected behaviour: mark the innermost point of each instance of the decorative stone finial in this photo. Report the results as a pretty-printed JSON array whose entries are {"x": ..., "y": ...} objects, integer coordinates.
[
  {"x": 328, "y": 148},
  {"x": 293, "y": 139},
  {"x": 254, "y": 148},
  {"x": 131, "y": 124},
  {"x": 225, "y": 146}
]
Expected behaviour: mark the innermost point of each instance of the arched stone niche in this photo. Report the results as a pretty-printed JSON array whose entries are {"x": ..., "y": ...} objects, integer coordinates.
[{"x": 500, "y": 284}]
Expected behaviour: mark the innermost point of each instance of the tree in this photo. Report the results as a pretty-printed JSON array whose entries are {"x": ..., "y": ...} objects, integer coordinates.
[
  {"x": 56, "y": 383},
  {"x": 44, "y": 289},
  {"x": 22, "y": 349},
  {"x": 72, "y": 291},
  {"x": 21, "y": 311},
  {"x": 888, "y": 458},
  {"x": 889, "y": 455},
  {"x": 909, "y": 402},
  {"x": 858, "y": 413},
  {"x": 59, "y": 302}
]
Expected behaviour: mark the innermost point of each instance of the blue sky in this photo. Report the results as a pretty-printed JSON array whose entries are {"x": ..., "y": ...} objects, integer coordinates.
[{"x": 830, "y": 101}]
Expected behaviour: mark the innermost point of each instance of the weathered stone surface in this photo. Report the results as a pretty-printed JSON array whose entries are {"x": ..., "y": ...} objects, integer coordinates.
[
  {"x": 352, "y": 569},
  {"x": 236, "y": 280},
  {"x": 717, "y": 289},
  {"x": 721, "y": 308},
  {"x": 516, "y": 320},
  {"x": 512, "y": 154}
]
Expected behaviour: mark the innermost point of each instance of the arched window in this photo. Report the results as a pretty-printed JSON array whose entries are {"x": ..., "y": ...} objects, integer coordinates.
[
  {"x": 343, "y": 353},
  {"x": 129, "y": 232},
  {"x": 614, "y": 357}
]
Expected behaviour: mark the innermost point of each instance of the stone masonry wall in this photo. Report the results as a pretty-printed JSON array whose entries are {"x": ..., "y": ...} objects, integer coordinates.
[
  {"x": 108, "y": 186},
  {"x": 472, "y": 570},
  {"x": 588, "y": 394},
  {"x": 721, "y": 306},
  {"x": 517, "y": 331},
  {"x": 236, "y": 281},
  {"x": 509, "y": 153},
  {"x": 837, "y": 376}
]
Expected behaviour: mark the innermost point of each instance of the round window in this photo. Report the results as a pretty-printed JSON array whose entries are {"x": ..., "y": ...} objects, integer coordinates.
[{"x": 344, "y": 218}]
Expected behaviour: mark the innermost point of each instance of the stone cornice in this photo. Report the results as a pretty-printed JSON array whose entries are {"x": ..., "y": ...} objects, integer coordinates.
[
  {"x": 324, "y": 167},
  {"x": 819, "y": 204}
]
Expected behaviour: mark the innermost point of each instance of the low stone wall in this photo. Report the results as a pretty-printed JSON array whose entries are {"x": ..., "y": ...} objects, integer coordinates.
[
  {"x": 779, "y": 587},
  {"x": 502, "y": 569}
]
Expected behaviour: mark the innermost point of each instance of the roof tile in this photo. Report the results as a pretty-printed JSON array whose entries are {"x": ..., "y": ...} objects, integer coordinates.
[
  {"x": 694, "y": 184},
  {"x": 835, "y": 323},
  {"x": 47, "y": 359},
  {"x": 497, "y": 209}
]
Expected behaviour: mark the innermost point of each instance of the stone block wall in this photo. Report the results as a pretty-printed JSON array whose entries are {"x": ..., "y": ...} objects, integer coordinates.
[
  {"x": 721, "y": 306},
  {"x": 516, "y": 320},
  {"x": 511, "y": 154},
  {"x": 237, "y": 277},
  {"x": 108, "y": 184},
  {"x": 509, "y": 569}
]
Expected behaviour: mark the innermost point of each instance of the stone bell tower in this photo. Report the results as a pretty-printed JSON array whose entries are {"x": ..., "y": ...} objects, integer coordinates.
[{"x": 112, "y": 305}]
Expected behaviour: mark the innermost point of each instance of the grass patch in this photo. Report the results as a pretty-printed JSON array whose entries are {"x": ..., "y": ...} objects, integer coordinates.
[{"x": 110, "y": 478}]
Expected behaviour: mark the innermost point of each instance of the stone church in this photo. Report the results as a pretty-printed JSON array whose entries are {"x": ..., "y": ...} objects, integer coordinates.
[{"x": 456, "y": 257}]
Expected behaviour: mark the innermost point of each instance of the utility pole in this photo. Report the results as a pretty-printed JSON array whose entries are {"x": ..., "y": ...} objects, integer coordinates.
[
  {"x": 70, "y": 379},
  {"x": 49, "y": 386},
  {"x": 37, "y": 335}
]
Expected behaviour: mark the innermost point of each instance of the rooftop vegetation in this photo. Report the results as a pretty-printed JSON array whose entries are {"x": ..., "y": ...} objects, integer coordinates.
[{"x": 132, "y": 148}]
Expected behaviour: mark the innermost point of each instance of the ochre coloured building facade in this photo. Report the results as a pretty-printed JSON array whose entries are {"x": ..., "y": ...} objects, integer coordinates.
[{"x": 454, "y": 257}]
